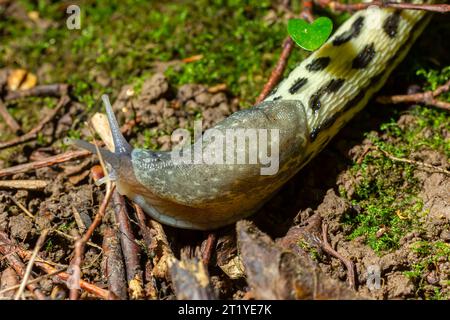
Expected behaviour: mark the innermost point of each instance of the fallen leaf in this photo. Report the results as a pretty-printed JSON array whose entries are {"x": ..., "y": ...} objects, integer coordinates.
[
  {"x": 33, "y": 15},
  {"x": 21, "y": 79},
  {"x": 15, "y": 79},
  {"x": 29, "y": 82}
]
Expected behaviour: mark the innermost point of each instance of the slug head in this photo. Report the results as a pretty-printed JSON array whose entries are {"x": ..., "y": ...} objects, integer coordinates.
[{"x": 119, "y": 160}]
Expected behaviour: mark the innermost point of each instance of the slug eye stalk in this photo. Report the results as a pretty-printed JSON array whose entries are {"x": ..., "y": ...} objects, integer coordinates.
[{"x": 121, "y": 146}]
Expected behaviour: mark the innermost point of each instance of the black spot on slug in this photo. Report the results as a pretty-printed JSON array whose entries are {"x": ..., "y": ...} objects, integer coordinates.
[
  {"x": 325, "y": 125},
  {"x": 334, "y": 85},
  {"x": 314, "y": 101},
  {"x": 364, "y": 57},
  {"x": 318, "y": 64},
  {"x": 314, "y": 133},
  {"x": 390, "y": 25},
  {"x": 276, "y": 98},
  {"x": 297, "y": 85},
  {"x": 353, "y": 32}
]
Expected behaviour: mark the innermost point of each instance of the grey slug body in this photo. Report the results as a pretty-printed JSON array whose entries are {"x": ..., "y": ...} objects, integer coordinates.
[{"x": 308, "y": 108}]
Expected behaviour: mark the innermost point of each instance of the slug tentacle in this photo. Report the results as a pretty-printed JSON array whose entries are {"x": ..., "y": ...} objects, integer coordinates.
[
  {"x": 108, "y": 156},
  {"x": 120, "y": 144}
]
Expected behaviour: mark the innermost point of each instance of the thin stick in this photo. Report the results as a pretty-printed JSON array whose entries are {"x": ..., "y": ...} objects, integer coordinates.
[
  {"x": 413, "y": 162},
  {"x": 147, "y": 236},
  {"x": 9, "y": 120},
  {"x": 78, "y": 220},
  {"x": 26, "y": 276},
  {"x": 307, "y": 13},
  {"x": 47, "y": 162},
  {"x": 145, "y": 231},
  {"x": 350, "y": 7},
  {"x": 114, "y": 264},
  {"x": 277, "y": 72},
  {"x": 288, "y": 45},
  {"x": 347, "y": 262},
  {"x": 427, "y": 97},
  {"x": 128, "y": 242},
  {"x": 47, "y": 90},
  {"x": 209, "y": 248},
  {"x": 22, "y": 207},
  {"x": 23, "y": 184},
  {"x": 32, "y": 134}
]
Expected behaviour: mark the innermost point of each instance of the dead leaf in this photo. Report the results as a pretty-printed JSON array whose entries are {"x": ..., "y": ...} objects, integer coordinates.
[
  {"x": 33, "y": 15},
  {"x": 21, "y": 79},
  {"x": 29, "y": 82},
  {"x": 15, "y": 78}
]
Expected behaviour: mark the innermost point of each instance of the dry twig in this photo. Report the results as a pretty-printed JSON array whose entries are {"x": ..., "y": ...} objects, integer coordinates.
[
  {"x": 277, "y": 72},
  {"x": 350, "y": 7},
  {"x": 147, "y": 236},
  {"x": 9, "y": 120},
  {"x": 47, "y": 90},
  {"x": 413, "y": 162},
  {"x": 23, "y": 184},
  {"x": 145, "y": 231},
  {"x": 113, "y": 264},
  {"x": 26, "y": 276},
  {"x": 209, "y": 248},
  {"x": 47, "y": 162},
  {"x": 22, "y": 207},
  {"x": 427, "y": 97},
  {"x": 129, "y": 247},
  {"x": 347, "y": 262}
]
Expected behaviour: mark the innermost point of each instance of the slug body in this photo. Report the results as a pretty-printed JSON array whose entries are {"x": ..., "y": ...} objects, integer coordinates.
[{"x": 307, "y": 109}]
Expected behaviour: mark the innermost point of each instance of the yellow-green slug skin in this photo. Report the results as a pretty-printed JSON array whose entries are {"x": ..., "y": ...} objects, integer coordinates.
[{"x": 308, "y": 108}]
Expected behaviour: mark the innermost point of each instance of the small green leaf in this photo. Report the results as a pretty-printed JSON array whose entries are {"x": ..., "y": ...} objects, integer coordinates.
[{"x": 310, "y": 36}]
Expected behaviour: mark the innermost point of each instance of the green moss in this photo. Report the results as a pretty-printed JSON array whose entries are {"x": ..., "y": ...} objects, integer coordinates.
[
  {"x": 48, "y": 247},
  {"x": 386, "y": 195},
  {"x": 314, "y": 254},
  {"x": 430, "y": 255}
]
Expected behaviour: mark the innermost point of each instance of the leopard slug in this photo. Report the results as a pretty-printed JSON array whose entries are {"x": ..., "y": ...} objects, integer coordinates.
[{"x": 307, "y": 109}]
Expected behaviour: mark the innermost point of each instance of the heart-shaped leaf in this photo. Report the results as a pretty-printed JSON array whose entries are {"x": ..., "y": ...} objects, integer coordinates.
[{"x": 310, "y": 36}]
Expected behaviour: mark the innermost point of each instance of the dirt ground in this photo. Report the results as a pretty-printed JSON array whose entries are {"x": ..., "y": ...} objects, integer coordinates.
[{"x": 381, "y": 213}]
